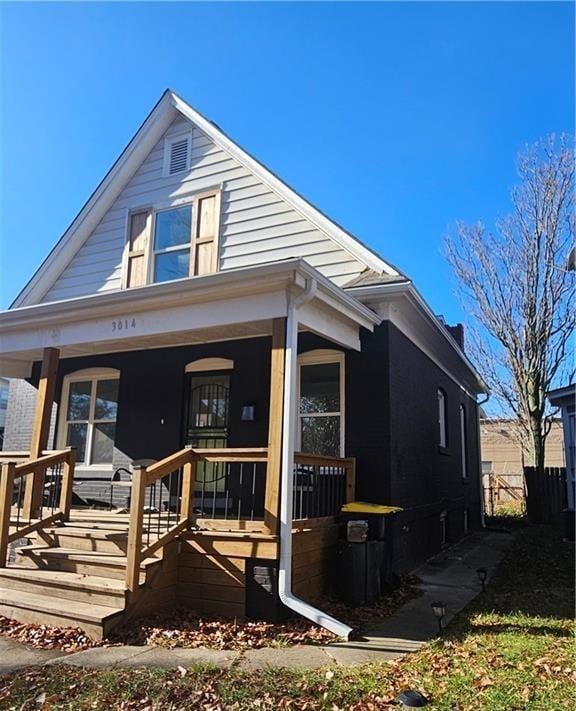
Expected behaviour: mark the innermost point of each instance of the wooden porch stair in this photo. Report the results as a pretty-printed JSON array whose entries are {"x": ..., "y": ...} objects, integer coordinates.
[
  {"x": 74, "y": 575},
  {"x": 97, "y": 569}
]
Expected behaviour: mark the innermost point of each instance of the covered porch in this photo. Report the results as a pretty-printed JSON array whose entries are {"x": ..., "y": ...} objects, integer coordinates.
[{"x": 196, "y": 394}]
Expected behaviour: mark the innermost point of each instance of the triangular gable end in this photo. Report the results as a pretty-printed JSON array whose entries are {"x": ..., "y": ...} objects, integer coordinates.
[{"x": 88, "y": 257}]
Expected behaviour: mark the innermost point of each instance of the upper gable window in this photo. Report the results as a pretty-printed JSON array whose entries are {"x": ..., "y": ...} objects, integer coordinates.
[
  {"x": 173, "y": 242},
  {"x": 177, "y": 154},
  {"x": 172, "y": 238}
]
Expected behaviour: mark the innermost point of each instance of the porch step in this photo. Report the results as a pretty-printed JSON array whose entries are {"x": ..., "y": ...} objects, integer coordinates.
[
  {"x": 77, "y": 561},
  {"x": 28, "y": 607},
  {"x": 108, "y": 592},
  {"x": 85, "y": 539}
]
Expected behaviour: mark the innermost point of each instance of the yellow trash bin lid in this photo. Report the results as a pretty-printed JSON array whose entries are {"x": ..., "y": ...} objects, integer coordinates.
[{"x": 366, "y": 508}]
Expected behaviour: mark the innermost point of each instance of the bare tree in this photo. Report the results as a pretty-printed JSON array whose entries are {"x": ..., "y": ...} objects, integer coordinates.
[{"x": 515, "y": 287}]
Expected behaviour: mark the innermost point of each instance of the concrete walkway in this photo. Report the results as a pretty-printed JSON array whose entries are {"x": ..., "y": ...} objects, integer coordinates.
[{"x": 450, "y": 577}]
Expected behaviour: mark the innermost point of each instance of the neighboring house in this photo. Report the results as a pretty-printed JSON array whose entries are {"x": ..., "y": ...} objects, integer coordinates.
[
  {"x": 4, "y": 387},
  {"x": 197, "y": 300},
  {"x": 565, "y": 399},
  {"x": 502, "y": 452}
]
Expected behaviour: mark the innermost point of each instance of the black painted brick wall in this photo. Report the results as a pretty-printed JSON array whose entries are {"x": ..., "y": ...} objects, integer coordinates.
[{"x": 391, "y": 423}]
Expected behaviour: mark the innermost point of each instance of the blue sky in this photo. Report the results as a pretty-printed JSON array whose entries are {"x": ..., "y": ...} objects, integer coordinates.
[{"x": 396, "y": 119}]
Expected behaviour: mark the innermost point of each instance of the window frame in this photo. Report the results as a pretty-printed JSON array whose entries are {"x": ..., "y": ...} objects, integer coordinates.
[
  {"x": 463, "y": 441},
  {"x": 442, "y": 413},
  {"x": 192, "y": 200},
  {"x": 187, "y": 246},
  {"x": 92, "y": 375},
  {"x": 322, "y": 356}
]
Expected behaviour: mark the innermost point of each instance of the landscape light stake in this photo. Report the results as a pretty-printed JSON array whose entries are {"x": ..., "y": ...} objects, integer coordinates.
[
  {"x": 409, "y": 699},
  {"x": 482, "y": 575},
  {"x": 439, "y": 610}
]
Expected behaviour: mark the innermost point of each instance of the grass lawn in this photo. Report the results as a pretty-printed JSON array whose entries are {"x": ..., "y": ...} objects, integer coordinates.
[{"x": 512, "y": 648}]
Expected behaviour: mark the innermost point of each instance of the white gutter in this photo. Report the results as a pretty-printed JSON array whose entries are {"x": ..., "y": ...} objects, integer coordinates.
[{"x": 287, "y": 474}]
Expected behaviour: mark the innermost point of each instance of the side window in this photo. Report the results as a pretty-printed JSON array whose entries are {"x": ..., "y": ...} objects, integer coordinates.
[
  {"x": 90, "y": 408},
  {"x": 442, "y": 424},
  {"x": 321, "y": 403},
  {"x": 463, "y": 442}
]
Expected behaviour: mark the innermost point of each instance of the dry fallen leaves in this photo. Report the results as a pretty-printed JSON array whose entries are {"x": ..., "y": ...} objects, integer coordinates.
[{"x": 185, "y": 628}]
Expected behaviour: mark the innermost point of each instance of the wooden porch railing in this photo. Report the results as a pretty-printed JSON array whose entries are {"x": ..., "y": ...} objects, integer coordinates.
[
  {"x": 55, "y": 473},
  {"x": 223, "y": 488},
  {"x": 186, "y": 484},
  {"x": 322, "y": 485}
]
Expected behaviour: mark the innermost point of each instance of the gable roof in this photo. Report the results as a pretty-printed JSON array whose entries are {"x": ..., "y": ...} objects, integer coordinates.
[{"x": 151, "y": 131}]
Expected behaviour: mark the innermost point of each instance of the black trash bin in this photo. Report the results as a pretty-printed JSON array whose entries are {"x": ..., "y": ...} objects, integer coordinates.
[{"x": 365, "y": 569}]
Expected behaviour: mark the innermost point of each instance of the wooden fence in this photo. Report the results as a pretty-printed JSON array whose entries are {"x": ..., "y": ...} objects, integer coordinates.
[
  {"x": 546, "y": 494},
  {"x": 503, "y": 490}
]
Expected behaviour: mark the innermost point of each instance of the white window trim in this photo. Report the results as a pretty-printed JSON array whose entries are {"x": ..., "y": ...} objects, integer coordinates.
[
  {"x": 463, "y": 443},
  {"x": 92, "y": 375},
  {"x": 318, "y": 357},
  {"x": 168, "y": 141},
  {"x": 186, "y": 246},
  {"x": 442, "y": 428}
]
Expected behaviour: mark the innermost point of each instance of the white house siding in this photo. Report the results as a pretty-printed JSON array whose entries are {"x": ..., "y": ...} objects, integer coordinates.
[{"x": 257, "y": 226}]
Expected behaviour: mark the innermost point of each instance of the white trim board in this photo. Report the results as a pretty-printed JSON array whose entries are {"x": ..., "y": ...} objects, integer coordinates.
[{"x": 162, "y": 314}]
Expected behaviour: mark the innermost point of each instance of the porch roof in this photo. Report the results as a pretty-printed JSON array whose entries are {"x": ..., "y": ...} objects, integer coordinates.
[{"x": 237, "y": 303}]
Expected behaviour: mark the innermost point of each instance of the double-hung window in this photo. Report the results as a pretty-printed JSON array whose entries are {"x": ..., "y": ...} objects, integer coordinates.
[
  {"x": 321, "y": 410},
  {"x": 90, "y": 408},
  {"x": 174, "y": 242}
]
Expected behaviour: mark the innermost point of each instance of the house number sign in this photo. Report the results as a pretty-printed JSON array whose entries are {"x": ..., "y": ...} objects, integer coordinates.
[{"x": 123, "y": 324}]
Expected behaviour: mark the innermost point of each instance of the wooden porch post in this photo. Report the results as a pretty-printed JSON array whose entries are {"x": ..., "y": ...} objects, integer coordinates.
[
  {"x": 46, "y": 391},
  {"x": 275, "y": 425},
  {"x": 6, "y": 489}
]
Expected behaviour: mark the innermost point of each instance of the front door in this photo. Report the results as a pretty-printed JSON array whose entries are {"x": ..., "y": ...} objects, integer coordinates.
[
  {"x": 208, "y": 410},
  {"x": 207, "y": 426}
]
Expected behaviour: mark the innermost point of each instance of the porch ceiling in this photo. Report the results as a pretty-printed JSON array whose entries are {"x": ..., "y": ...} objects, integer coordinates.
[{"x": 228, "y": 305}]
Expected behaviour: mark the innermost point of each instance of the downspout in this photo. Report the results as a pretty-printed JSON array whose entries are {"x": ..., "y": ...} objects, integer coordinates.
[
  {"x": 287, "y": 474},
  {"x": 480, "y": 474}
]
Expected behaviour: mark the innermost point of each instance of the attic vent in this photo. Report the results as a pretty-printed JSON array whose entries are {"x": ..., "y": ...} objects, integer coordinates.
[{"x": 176, "y": 155}]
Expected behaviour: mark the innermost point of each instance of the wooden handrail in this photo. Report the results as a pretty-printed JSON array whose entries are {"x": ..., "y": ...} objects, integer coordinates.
[
  {"x": 321, "y": 459},
  {"x": 44, "y": 461},
  {"x": 190, "y": 454},
  {"x": 10, "y": 471},
  {"x": 348, "y": 463},
  {"x": 9, "y": 456},
  {"x": 166, "y": 466},
  {"x": 142, "y": 477},
  {"x": 187, "y": 460},
  {"x": 247, "y": 454}
]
